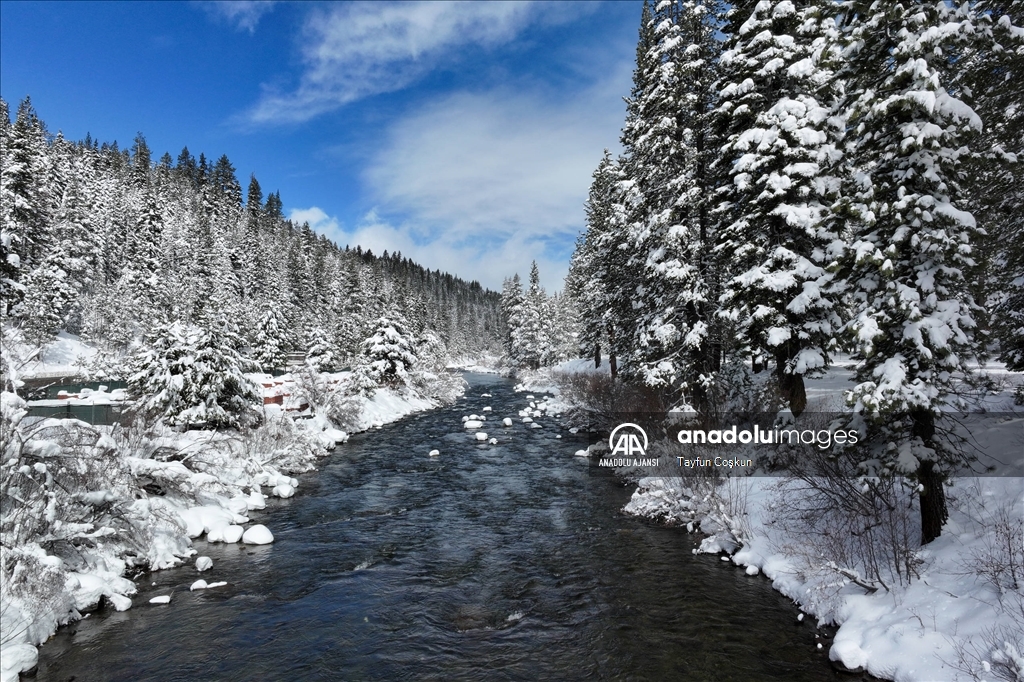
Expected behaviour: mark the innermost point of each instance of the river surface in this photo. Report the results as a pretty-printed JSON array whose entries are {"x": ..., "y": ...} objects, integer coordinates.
[{"x": 489, "y": 562}]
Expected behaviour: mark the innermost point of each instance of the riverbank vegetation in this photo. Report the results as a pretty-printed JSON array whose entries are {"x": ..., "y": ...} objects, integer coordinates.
[
  {"x": 801, "y": 185},
  {"x": 248, "y": 346}
]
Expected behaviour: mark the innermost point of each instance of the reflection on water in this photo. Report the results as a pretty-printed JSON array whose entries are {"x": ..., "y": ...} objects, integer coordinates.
[{"x": 488, "y": 562}]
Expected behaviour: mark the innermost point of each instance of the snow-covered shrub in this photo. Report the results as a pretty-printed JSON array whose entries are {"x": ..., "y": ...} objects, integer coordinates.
[
  {"x": 998, "y": 557},
  {"x": 280, "y": 444},
  {"x": 430, "y": 377},
  {"x": 1018, "y": 395},
  {"x": 329, "y": 395},
  {"x": 842, "y": 528},
  {"x": 598, "y": 401},
  {"x": 388, "y": 355},
  {"x": 32, "y": 584},
  {"x": 999, "y": 560},
  {"x": 999, "y": 655},
  {"x": 194, "y": 376}
]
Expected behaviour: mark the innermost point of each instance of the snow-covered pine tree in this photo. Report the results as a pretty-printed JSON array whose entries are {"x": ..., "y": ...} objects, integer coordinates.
[
  {"x": 192, "y": 375},
  {"x": 912, "y": 238},
  {"x": 320, "y": 351},
  {"x": 991, "y": 73},
  {"x": 779, "y": 146},
  {"x": 269, "y": 344},
  {"x": 599, "y": 283},
  {"x": 389, "y": 353},
  {"x": 158, "y": 372},
  {"x": 531, "y": 337},
  {"x": 676, "y": 341},
  {"x": 23, "y": 201},
  {"x": 512, "y": 312},
  {"x": 216, "y": 393},
  {"x": 49, "y": 294}
]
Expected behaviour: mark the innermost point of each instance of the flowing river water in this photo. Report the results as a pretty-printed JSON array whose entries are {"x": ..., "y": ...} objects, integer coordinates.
[{"x": 507, "y": 561}]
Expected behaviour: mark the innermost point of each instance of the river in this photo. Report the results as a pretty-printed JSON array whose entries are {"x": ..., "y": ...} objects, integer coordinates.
[{"x": 507, "y": 561}]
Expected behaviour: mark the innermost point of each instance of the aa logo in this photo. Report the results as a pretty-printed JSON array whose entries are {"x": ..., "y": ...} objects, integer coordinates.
[{"x": 629, "y": 440}]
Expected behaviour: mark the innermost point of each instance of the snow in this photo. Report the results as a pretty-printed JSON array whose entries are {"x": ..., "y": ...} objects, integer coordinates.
[
  {"x": 208, "y": 485},
  {"x": 163, "y": 599},
  {"x": 507, "y": 421},
  {"x": 911, "y": 630},
  {"x": 17, "y": 658},
  {"x": 283, "y": 490},
  {"x": 435, "y": 453},
  {"x": 198, "y": 585},
  {"x": 258, "y": 535},
  {"x": 472, "y": 424},
  {"x": 480, "y": 435}
]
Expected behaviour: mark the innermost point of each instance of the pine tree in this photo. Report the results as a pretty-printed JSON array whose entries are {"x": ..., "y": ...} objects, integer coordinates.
[
  {"x": 774, "y": 116},
  {"x": 911, "y": 235},
  {"x": 531, "y": 339},
  {"x": 511, "y": 311},
  {"x": 223, "y": 179},
  {"x": 598, "y": 282},
  {"x": 23, "y": 201},
  {"x": 676, "y": 341},
  {"x": 320, "y": 352},
  {"x": 388, "y": 355},
  {"x": 269, "y": 345},
  {"x": 995, "y": 174},
  {"x": 193, "y": 376}
]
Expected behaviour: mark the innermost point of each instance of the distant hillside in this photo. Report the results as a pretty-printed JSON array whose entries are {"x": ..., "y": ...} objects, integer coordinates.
[{"x": 108, "y": 243}]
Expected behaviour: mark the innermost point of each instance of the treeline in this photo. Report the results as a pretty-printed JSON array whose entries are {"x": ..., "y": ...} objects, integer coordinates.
[
  {"x": 111, "y": 244},
  {"x": 800, "y": 178}
]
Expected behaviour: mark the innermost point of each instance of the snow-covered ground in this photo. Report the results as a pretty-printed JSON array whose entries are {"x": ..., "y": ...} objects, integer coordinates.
[
  {"x": 143, "y": 497},
  {"x": 960, "y": 616}
]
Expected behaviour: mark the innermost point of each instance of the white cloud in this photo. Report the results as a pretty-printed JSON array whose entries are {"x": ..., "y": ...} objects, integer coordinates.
[
  {"x": 243, "y": 14},
  {"x": 485, "y": 261},
  {"x": 318, "y": 220},
  {"x": 354, "y": 50}
]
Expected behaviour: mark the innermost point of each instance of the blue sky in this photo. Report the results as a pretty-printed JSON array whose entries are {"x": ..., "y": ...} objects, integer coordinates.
[{"x": 461, "y": 134}]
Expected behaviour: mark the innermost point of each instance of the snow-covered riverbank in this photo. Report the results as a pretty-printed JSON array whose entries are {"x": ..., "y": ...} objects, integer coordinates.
[
  {"x": 956, "y": 614},
  {"x": 94, "y": 505}
]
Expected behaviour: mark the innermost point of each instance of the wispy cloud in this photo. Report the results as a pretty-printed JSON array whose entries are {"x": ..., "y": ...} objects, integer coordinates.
[
  {"x": 242, "y": 14},
  {"x": 486, "y": 182},
  {"x": 355, "y": 50}
]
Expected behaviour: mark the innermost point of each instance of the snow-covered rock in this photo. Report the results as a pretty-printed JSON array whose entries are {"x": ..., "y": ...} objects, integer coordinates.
[
  {"x": 435, "y": 453},
  {"x": 473, "y": 424},
  {"x": 283, "y": 490},
  {"x": 257, "y": 535},
  {"x": 17, "y": 658},
  {"x": 162, "y": 599},
  {"x": 256, "y": 500},
  {"x": 480, "y": 435},
  {"x": 204, "y": 563},
  {"x": 507, "y": 421}
]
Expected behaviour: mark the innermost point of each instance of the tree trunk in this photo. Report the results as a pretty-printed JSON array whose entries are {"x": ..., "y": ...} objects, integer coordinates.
[
  {"x": 613, "y": 363},
  {"x": 790, "y": 385},
  {"x": 933, "y": 496},
  {"x": 597, "y": 355}
]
